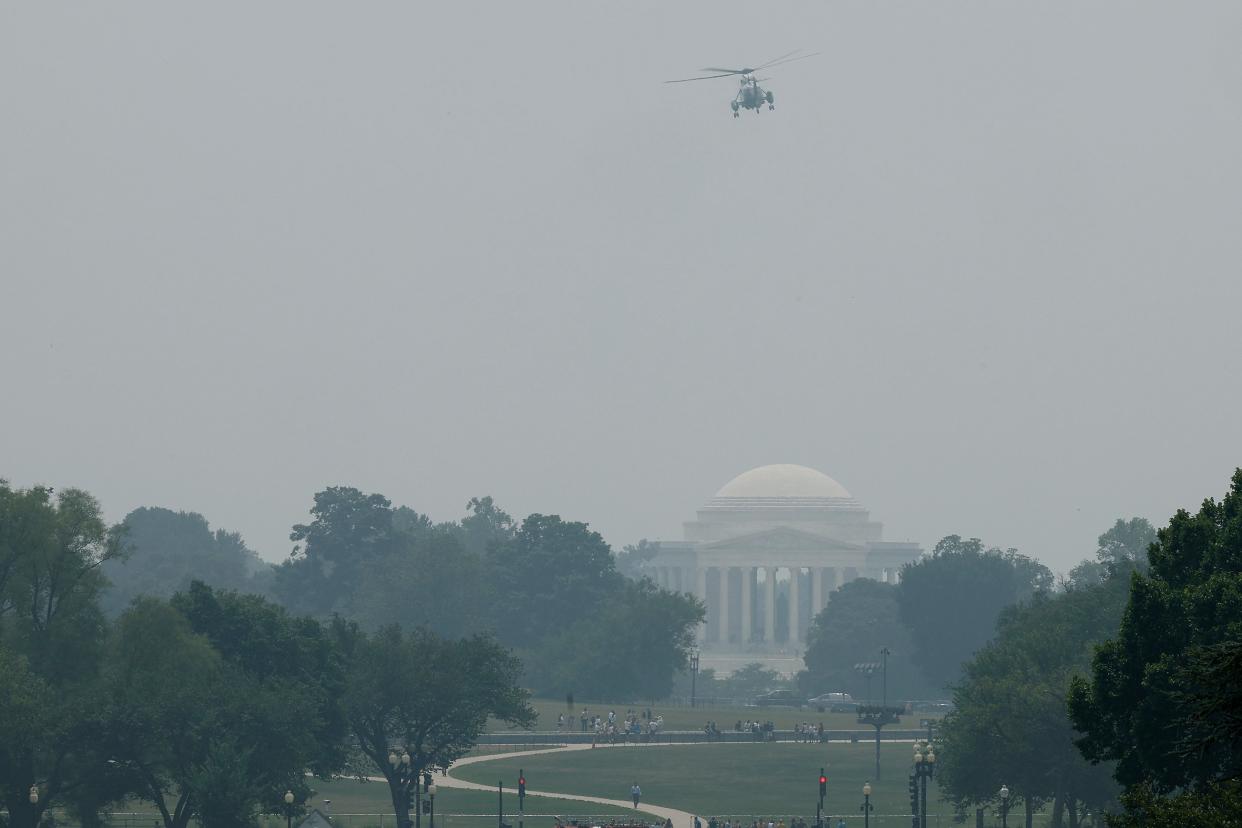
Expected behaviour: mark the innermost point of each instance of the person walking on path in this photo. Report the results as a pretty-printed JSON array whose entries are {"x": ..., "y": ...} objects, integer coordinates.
[{"x": 635, "y": 793}]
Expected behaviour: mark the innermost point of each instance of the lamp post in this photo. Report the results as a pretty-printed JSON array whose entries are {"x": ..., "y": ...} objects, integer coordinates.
[
  {"x": 924, "y": 769},
  {"x": 431, "y": 794},
  {"x": 694, "y": 672},
  {"x": 866, "y": 806},
  {"x": 407, "y": 782},
  {"x": 288, "y": 809},
  {"x": 34, "y": 806},
  {"x": 1004, "y": 795}
]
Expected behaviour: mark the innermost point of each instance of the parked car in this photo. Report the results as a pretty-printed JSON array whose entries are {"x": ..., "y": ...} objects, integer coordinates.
[
  {"x": 778, "y": 698},
  {"x": 834, "y": 703}
]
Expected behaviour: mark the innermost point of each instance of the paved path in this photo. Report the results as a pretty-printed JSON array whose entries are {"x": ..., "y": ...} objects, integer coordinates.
[{"x": 681, "y": 819}]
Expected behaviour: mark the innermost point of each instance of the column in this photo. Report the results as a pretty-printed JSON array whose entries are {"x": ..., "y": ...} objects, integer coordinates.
[
  {"x": 794, "y": 575},
  {"x": 817, "y": 590},
  {"x": 769, "y": 606},
  {"x": 701, "y": 593},
  {"x": 679, "y": 579},
  {"x": 748, "y": 593},
  {"x": 724, "y": 604}
]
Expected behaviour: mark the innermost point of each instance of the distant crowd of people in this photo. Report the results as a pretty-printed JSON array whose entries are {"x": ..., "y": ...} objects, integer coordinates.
[{"x": 610, "y": 728}]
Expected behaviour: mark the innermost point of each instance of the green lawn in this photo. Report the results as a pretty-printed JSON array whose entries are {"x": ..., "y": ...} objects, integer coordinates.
[
  {"x": 740, "y": 779},
  {"x": 686, "y": 718},
  {"x": 360, "y": 804}
]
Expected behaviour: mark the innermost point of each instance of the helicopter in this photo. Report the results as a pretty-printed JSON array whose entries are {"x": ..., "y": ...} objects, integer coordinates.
[{"x": 751, "y": 95}]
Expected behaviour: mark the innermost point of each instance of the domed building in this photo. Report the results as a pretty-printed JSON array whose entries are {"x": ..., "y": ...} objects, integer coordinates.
[{"x": 765, "y": 554}]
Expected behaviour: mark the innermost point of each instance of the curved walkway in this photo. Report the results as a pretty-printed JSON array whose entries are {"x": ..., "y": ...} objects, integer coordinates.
[{"x": 681, "y": 819}]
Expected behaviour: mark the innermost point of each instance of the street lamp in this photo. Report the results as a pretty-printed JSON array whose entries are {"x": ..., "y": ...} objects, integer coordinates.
[
  {"x": 1004, "y": 795},
  {"x": 694, "y": 672},
  {"x": 406, "y": 775},
  {"x": 866, "y": 807},
  {"x": 924, "y": 769},
  {"x": 288, "y": 809},
  {"x": 34, "y": 801},
  {"x": 431, "y": 792}
]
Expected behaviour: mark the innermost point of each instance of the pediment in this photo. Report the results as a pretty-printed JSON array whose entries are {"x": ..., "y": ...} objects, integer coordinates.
[{"x": 781, "y": 538}]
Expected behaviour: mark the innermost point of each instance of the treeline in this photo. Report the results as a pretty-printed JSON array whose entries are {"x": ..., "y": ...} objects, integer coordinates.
[
  {"x": 548, "y": 588},
  {"x": 210, "y": 704},
  {"x": 1118, "y": 693}
]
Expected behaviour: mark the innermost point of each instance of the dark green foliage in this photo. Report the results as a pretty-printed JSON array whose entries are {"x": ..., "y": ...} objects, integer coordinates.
[
  {"x": 950, "y": 600},
  {"x": 551, "y": 573},
  {"x": 51, "y": 550},
  {"x": 1150, "y": 694},
  {"x": 425, "y": 694},
  {"x": 219, "y": 702},
  {"x": 1122, "y": 549},
  {"x": 1010, "y": 724},
  {"x": 1216, "y": 805},
  {"x": 350, "y": 532},
  {"x": 626, "y": 645},
  {"x": 427, "y": 579},
  {"x": 861, "y": 618},
  {"x": 166, "y": 550}
]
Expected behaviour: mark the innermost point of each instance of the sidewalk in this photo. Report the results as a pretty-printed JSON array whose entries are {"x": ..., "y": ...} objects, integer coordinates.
[{"x": 681, "y": 819}]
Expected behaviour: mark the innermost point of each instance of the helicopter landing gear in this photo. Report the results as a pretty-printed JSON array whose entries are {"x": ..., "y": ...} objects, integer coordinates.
[
  {"x": 735, "y": 115},
  {"x": 771, "y": 107}
]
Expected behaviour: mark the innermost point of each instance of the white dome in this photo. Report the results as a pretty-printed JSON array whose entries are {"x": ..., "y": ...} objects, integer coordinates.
[{"x": 783, "y": 480}]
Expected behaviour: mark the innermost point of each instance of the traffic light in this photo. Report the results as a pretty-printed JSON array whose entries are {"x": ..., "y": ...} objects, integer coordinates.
[
  {"x": 426, "y": 782},
  {"x": 427, "y": 806},
  {"x": 914, "y": 795},
  {"x": 823, "y": 786},
  {"x": 521, "y": 784},
  {"x": 409, "y": 798}
]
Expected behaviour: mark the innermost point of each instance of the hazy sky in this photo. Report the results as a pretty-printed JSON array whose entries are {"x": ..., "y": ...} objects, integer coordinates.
[{"x": 981, "y": 264}]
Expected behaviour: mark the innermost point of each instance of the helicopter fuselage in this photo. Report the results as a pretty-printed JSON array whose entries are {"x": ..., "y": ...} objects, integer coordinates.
[{"x": 752, "y": 96}]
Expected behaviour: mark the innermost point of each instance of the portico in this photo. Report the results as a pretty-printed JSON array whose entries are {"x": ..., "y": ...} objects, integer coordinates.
[{"x": 765, "y": 555}]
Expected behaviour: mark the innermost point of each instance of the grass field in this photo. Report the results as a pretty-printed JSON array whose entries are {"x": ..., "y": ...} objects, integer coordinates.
[
  {"x": 366, "y": 804},
  {"x": 738, "y": 779},
  {"x": 686, "y": 718}
]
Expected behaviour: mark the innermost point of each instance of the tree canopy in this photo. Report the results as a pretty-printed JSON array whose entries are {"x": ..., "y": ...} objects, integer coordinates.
[
  {"x": 1010, "y": 725},
  {"x": 950, "y": 600},
  {"x": 166, "y": 550},
  {"x": 1149, "y": 701},
  {"x": 427, "y": 695},
  {"x": 861, "y": 618}
]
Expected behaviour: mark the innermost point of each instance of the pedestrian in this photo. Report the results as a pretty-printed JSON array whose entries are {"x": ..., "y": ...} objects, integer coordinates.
[
  {"x": 698, "y": 823},
  {"x": 635, "y": 793}
]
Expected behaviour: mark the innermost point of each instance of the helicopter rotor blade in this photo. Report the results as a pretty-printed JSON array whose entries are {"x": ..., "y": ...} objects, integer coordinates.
[
  {"x": 791, "y": 60},
  {"x": 705, "y": 77},
  {"x": 777, "y": 59},
  {"x": 726, "y": 71}
]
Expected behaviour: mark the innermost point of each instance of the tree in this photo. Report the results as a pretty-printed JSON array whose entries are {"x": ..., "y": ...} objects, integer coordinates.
[
  {"x": 349, "y": 532},
  {"x": 219, "y": 702},
  {"x": 425, "y": 695},
  {"x": 1010, "y": 725},
  {"x": 628, "y": 646},
  {"x": 631, "y": 558},
  {"x": 549, "y": 568},
  {"x": 486, "y": 526},
  {"x": 167, "y": 550},
  {"x": 51, "y": 630},
  {"x": 861, "y": 618},
  {"x": 1124, "y": 546},
  {"x": 427, "y": 579},
  {"x": 1121, "y": 549},
  {"x": 1145, "y": 697},
  {"x": 950, "y": 600}
]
